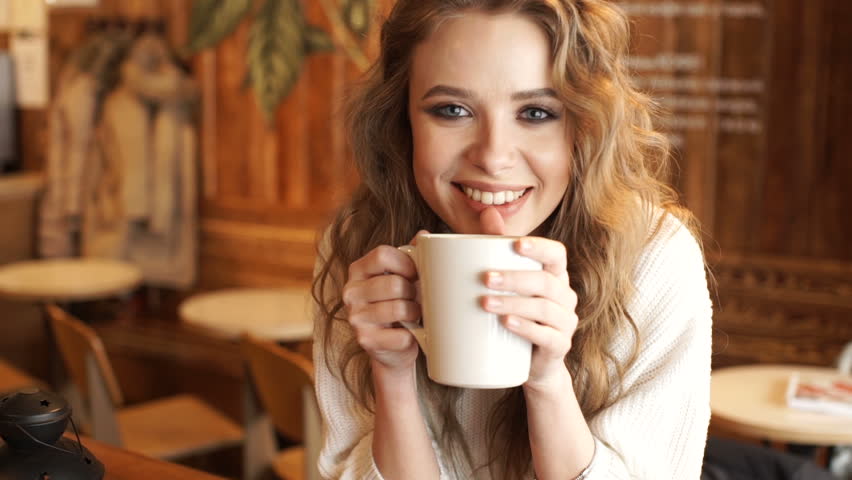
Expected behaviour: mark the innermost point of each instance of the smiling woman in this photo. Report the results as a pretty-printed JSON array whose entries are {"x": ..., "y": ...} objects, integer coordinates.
[{"x": 514, "y": 117}]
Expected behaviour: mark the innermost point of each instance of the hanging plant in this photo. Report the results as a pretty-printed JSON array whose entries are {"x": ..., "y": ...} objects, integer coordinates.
[
  {"x": 279, "y": 40},
  {"x": 213, "y": 20}
]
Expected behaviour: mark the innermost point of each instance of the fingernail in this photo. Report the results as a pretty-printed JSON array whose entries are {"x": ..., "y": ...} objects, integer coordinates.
[
  {"x": 494, "y": 302},
  {"x": 495, "y": 279},
  {"x": 511, "y": 321},
  {"x": 525, "y": 245}
]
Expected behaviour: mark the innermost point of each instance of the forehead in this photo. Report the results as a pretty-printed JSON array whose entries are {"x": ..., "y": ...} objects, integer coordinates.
[{"x": 483, "y": 52}]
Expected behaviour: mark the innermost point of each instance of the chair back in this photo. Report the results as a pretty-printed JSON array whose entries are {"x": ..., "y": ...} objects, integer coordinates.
[
  {"x": 280, "y": 378},
  {"x": 86, "y": 361},
  {"x": 79, "y": 344}
]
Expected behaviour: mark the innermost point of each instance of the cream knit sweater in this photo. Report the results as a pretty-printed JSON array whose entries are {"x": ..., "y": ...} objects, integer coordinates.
[{"x": 657, "y": 431}]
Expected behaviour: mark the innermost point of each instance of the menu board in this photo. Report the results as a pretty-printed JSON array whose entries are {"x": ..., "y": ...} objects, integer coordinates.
[{"x": 706, "y": 63}]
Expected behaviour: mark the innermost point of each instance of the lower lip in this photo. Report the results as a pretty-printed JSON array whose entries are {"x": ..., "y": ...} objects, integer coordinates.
[{"x": 506, "y": 210}]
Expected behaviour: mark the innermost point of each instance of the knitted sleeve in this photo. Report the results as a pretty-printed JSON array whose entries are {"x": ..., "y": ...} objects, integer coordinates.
[
  {"x": 347, "y": 451},
  {"x": 658, "y": 429}
]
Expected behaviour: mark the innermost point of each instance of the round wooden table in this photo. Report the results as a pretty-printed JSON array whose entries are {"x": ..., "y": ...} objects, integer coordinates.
[
  {"x": 67, "y": 280},
  {"x": 750, "y": 400},
  {"x": 281, "y": 315}
]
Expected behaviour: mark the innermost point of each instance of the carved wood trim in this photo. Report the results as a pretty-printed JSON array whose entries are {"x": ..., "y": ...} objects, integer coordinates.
[{"x": 815, "y": 282}]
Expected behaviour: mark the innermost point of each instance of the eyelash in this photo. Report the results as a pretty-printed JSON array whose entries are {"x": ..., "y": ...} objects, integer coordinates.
[{"x": 441, "y": 112}]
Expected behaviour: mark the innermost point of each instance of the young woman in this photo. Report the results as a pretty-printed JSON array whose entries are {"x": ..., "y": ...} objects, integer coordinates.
[{"x": 514, "y": 117}]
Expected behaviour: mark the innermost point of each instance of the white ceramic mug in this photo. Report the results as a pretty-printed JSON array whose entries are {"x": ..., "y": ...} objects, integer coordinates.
[{"x": 466, "y": 346}]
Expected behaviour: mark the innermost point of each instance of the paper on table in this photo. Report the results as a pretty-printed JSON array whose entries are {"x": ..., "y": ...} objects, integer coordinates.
[
  {"x": 29, "y": 52},
  {"x": 831, "y": 396}
]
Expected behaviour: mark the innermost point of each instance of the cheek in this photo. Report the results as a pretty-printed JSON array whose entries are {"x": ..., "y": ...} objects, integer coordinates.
[{"x": 432, "y": 157}]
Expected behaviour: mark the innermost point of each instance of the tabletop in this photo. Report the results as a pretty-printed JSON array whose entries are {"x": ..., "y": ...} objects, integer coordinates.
[
  {"x": 66, "y": 280},
  {"x": 750, "y": 400},
  {"x": 125, "y": 465},
  {"x": 280, "y": 314}
]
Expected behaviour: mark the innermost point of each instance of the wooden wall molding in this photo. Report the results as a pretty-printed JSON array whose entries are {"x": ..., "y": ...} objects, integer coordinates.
[
  {"x": 814, "y": 282},
  {"x": 237, "y": 253}
]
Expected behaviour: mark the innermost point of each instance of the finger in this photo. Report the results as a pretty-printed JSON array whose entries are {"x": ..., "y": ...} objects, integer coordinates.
[
  {"x": 380, "y": 260},
  {"x": 378, "y": 289},
  {"x": 491, "y": 222},
  {"x": 533, "y": 284},
  {"x": 552, "y": 254},
  {"x": 541, "y": 310},
  {"x": 414, "y": 240},
  {"x": 542, "y": 336},
  {"x": 385, "y": 339},
  {"x": 384, "y": 313}
]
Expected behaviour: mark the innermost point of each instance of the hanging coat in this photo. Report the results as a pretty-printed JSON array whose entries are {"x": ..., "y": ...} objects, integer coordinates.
[
  {"x": 71, "y": 122},
  {"x": 143, "y": 204}
]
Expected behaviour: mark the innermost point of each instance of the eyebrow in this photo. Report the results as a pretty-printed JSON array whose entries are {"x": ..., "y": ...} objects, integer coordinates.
[{"x": 463, "y": 93}]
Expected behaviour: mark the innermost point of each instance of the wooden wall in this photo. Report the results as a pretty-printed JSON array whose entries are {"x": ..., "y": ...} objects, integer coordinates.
[{"x": 758, "y": 91}]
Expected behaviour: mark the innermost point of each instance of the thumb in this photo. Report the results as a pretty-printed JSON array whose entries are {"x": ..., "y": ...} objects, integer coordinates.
[{"x": 491, "y": 222}]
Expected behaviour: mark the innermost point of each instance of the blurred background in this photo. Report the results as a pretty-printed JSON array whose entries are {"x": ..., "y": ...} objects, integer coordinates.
[{"x": 195, "y": 148}]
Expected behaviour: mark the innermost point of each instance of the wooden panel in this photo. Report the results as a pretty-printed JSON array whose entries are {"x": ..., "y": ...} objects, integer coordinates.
[
  {"x": 289, "y": 175},
  {"x": 757, "y": 94}
]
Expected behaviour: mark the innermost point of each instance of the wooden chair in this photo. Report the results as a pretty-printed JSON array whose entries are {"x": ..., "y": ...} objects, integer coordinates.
[
  {"x": 169, "y": 428},
  {"x": 280, "y": 396},
  {"x": 12, "y": 379}
]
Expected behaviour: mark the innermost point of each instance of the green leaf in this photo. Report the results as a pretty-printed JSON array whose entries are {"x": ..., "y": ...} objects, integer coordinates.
[
  {"x": 213, "y": 20},
  {"x": 276, "y": 51},
  {"x": 356, "y": 15},
  {"x": 317, "y": 40}
]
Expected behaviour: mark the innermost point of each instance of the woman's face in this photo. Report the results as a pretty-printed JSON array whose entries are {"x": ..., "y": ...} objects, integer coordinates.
[{"x": 488, "y": 129}]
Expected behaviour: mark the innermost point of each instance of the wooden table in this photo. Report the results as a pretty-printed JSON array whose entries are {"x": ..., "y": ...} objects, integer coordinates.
[
  {"x": 750, "y": 400},
  {"x": 281, "y": 315},
  {"x": 124, "y": 465},
  {"x": 67, "y": 280}
]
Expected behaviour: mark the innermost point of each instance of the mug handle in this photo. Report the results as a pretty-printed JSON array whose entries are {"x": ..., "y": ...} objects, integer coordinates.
[{"x": 417, "y": 330}]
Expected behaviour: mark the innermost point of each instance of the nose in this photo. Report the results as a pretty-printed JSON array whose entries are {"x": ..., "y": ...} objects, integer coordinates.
[{"x": 494, "y": 150}]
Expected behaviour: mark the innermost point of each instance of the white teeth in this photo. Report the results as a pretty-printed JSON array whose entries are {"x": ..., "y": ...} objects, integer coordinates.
[{"x": 493, "y": 198}]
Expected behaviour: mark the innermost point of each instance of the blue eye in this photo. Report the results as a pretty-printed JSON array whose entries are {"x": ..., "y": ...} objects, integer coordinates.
[
  {"x": 535, "y": 114},
  {"x": 451, "y": 111}
]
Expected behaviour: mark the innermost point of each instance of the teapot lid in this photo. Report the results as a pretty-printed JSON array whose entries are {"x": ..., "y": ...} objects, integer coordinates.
[{"x": 31, "y": 406}]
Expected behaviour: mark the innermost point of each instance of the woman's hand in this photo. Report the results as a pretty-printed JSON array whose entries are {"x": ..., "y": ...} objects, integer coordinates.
[
  {"x": 543, "y": 311},
  {"x": 380, "y": 291}
]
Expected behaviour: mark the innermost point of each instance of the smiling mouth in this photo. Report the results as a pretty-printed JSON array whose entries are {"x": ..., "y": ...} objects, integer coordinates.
[{"x": 492, "y": 198}]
